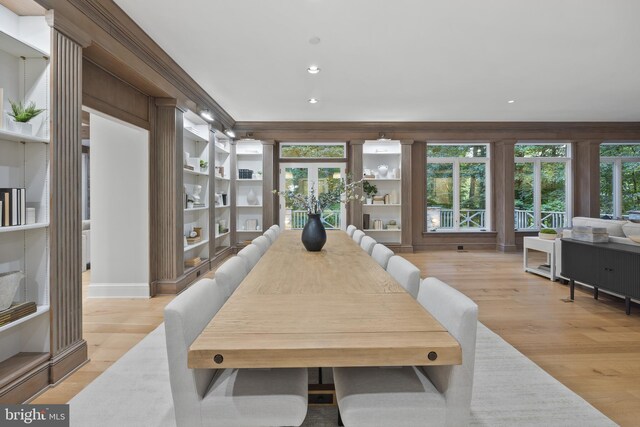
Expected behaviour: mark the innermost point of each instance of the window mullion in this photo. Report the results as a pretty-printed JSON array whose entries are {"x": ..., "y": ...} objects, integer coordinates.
[
  {"x": 537, "y": 193},
  {"x": 456, "y": 194},
  {"x": 617, "y": 188}
]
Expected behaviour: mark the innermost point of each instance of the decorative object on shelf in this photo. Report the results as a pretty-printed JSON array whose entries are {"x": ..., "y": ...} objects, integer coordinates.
[
  {"x": 224, "y": 199},
  {"x": 193, "y": 163},
  {"x": 22, "y": 115},
  {"x": 337, "y": 190},
  {"x": 382, "y": 170},
  {"x": 192, "y": 262},
  {"x": 197, "y": 189},
  {"x": 245, "y": 173},
  {"x": 393, "y": 197},
  {"x": 252, "y": 198},
  {"x": 17, "y": 311},
  {"x": 252, "y": 224},
  {"x": 548, "y": 234},
  {"x": 387, "y": 199},
  {"x": 203, "y": 166},
  {"x": 377, "y": 224},
  {"x": 185, "y": 241},
  {"x": 219, "y": 171},
  {"x": 9, "y": 283},
  {"x": 217, "y": 199},
  {"x": 366, "y": 218},
  {"x": 223, "y": 224},
  {"x": 198, "y": 231},
  {"x": 369, "y": 190},
  {"x": 378, "y": 200},
  {"x": 31, "y": 215},
  {"x": 590, "y": 234},
  {"x": 185, "y": 160},
  {"x": 392, "y": 225},
  {"x": 368, "y": 173},
  {"x": 314, "y": 235}
]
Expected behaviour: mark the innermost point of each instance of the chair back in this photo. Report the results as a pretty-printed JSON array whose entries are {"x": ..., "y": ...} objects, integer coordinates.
[
  {"x": 405, "y": 273},
  {"x": 357, "y": 236},
  {"x": 381, "y": 254},
  {"x": 251, "y": 255},
  {"x": 184, "y": 318},
  {"x": 351, "y": 229},
  {"x": 262, "y": 243},
  {"x": 230, "y": 274},
  {"x": 367, "y": 243},
  {"x": 271, "y": 235},
  {"x": 276, "y": 228},
  {"x": 459, "y": 315}
]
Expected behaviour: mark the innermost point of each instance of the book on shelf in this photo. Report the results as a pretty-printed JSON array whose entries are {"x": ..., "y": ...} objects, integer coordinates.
[
  {"x": 14, "y": 210},
  {"x": 17, "y": 311}
]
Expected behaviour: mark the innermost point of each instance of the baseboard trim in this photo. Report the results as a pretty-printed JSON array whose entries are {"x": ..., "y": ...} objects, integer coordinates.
[
  {"x": 68, "y": 361},
  {"x": 28, "y": 385},
  {"x": 119, "y": 290},
  {"x": 173, "y": 287},
  {"x": 506, "y": 248}
]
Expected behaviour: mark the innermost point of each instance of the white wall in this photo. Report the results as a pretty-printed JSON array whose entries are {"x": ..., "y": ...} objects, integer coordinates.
[{"x": 119, "y": 172}]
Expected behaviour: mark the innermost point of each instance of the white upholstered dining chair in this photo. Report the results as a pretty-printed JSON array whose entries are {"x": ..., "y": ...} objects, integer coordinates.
[
  {"x": 271, "y": 235},
  {"x": 367, "y": 243},
  {"x": 231, "y": 273},
  {"x": 262, "y": 243},
  {"x": 417, "y": 396},
  {"x": 381, "y": 254},
  {"x": 225, "y": 397},
  {"x": 251, "y": 255},
  {"x": 357, "y": 236},
  {"x": 351, "y": 229},
  {"x": 276, "y": 228},
  {"x": 405, "y": 273}
]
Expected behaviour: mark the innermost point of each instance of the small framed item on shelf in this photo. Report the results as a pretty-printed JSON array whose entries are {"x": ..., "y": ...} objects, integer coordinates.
[{"x": 251, "y": 224}]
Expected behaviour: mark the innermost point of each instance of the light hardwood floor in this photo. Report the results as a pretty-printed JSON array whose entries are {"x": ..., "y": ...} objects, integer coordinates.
[{"x": 590, "y": 346}]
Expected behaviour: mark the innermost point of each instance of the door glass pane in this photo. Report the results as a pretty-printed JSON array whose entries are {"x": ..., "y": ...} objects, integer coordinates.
[
  {"x": 456, "y": 150},
  {"x": 439, "y": 196},
  {"x": 327, "y": 179},
  {"x": 310, "y": 151},
  {"x": 630, "y": 187},
  {"x": 524, "y": 212},
  {"x": 472, "y": 195},
  {"x": 606, "y": 190},
  {"x": 296, "y": 181},
  {"x": 553, "y": 195},
  {"x": 542, "y": 150}
]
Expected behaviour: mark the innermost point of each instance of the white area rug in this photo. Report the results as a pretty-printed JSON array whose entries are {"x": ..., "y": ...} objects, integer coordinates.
[{"x": 509, "y": 390}]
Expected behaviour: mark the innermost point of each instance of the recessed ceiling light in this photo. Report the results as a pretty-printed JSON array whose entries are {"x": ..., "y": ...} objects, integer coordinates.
[
  {"x": 313, "y": 100},
  {"x": 206, "y": 114},
  {"x": 314, "y": 40},
  {"x": 230, "y": 133},
  {"x": 314, "y": 69},
  {"x": 511, "y": 101}
]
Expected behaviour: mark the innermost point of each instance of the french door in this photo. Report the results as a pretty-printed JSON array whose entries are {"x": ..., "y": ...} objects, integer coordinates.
[{"x": 303, "y": 178}]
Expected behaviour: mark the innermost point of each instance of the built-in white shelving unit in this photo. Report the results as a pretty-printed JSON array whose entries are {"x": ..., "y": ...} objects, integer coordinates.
[
  {"x": 25, "y": 163},
  {"x": 248, "y": 185},
  {"x": 196, "y": 179},
  {"x": 389, "y": 185},
  {"x": 222, "y": 178}
]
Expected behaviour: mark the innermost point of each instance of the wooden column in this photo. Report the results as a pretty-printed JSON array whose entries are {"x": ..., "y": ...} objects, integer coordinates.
[
  {"x": 167, "y": 190},
  {"x": 586, "y": 178},
  {"x": 354, "y": 211},
  {"x": 268, "y": 185},
  {"x": 503, "y": 166},
  {"x": 406, "y": 242},
  {"x": 68, "y": 348}
]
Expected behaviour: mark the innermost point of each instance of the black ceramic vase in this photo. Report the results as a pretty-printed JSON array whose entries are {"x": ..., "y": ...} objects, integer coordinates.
[{"x": 313, "y": 235}]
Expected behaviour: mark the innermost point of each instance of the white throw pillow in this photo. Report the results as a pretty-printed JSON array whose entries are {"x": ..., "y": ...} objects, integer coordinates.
[
  {"x": 614, "y": 227},
  {"x": 631, "y": 229}
]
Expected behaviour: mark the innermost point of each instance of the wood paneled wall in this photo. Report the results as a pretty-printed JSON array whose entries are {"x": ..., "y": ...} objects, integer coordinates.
[
  {"x": 355, "y": 165},
  {"x": 66, "y": 210},
  {"x": 269, "y": 200}
]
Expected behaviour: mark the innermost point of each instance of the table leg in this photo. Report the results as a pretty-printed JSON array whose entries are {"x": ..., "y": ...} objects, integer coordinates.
[
  {"x": 572, "y": 285},
  {"x": 627, "y": 305},
  {"x": 524, "y": 258},
  {"x": 552, "y": 265},
  {"x": 595, "y": 292}
]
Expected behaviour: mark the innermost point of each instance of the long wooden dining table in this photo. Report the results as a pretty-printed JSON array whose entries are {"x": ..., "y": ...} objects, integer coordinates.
[{"x": 334, "y": 308}]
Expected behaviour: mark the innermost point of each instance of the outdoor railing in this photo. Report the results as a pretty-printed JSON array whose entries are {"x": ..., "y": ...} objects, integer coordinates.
[
  {"x": 524, "y": 219},
  {"x": 469, "y": 218},
  {"x": 330, "y": 219}
]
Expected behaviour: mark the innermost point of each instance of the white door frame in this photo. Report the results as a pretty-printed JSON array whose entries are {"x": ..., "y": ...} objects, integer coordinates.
[{"x": 312, "y": 180}]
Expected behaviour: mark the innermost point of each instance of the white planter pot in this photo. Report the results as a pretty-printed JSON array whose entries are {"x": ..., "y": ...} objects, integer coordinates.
[
  {"x": 9, "y": 283},
  {"x": 547, "y": 236},
  {"x": 23, "y": 128}
]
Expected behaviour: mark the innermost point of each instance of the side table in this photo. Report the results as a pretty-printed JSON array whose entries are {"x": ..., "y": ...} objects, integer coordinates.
[{"x": 541, "y": 245}]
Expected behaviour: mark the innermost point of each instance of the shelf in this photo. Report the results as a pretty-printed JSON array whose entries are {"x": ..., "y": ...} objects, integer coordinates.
[
  {"x": 220, "y": 178},
  {"x": 19, "y": 48},
  {"x": 382, "y": 231},
  {"x": 190, "y": 172},
  {"x": 195, "y": 245},
  {"x": 248, "y": 180},
  {"x": 248, "y": 206},
  {"x": 16, "y": 366},
  {"x": 248, "y": 231},
  {"x": 191, "y": 134},
  {"x": 388, "y": 205},
  {"x": 219, "y": 236},
  {"x": 222, "y": 207},
  {"x": 196, "y": 209},
  {"x": 249, "y": 154},
  {"x": 220, "y": 149},
  {"x": 381, "y": 179},
  {"x": 24, "y": 227},
  {"x": 189, "y": 269},
  {"x": 19, "y": 137},
  {"x": 40, "y": 310},
  {"x": 220, "y": 249}
]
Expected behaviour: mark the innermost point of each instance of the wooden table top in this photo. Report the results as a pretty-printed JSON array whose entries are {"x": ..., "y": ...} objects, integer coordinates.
[{"x": 332, "y": 308}]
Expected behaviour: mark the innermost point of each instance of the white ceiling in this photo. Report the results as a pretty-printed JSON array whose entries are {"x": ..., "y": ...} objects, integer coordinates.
[{"x": 406, "y": 60}]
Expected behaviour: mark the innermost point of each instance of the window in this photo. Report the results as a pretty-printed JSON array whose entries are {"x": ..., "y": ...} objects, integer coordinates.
[
  {"x": 542, "y": 190},
  {"x": 297, "y": 150},
  {"x": 619, "y": 179},
  {"x": 457, "y": 187}
]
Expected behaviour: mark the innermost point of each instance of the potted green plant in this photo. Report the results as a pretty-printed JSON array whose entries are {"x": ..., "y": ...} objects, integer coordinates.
[
  {"x": 548, "y": 234},
  {"x": 370, "y": 190},
  {"x": 203, "y": 165},
  {"x": 22, "y": 115}
]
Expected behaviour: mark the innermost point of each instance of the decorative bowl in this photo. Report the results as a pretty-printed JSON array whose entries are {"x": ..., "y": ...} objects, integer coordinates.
[
  {"x": 635, "y": 239},
  {"x": 9, "y": 283},
  {"x": 548, "y": 236}
]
